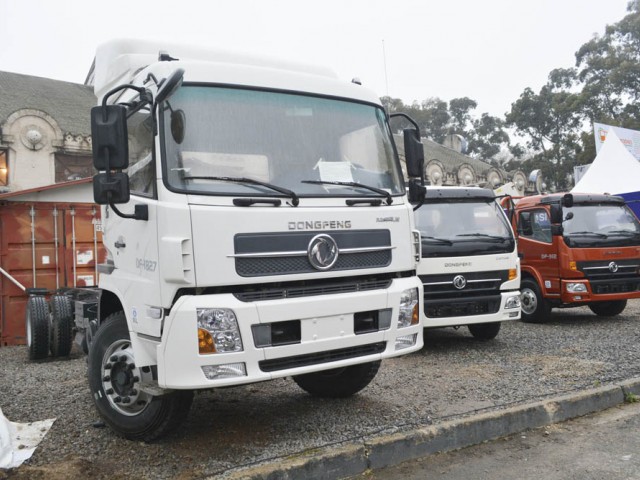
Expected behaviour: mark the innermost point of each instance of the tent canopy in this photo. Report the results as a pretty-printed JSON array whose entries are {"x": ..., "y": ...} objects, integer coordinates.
[{"x": 614, "y": 171}]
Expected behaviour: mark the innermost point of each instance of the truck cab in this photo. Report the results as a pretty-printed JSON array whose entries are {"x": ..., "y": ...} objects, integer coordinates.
[
  {"x": 470, "y": 270},
  {"x": 257, "y": 226},
  {"x": 577, "y": 250}
]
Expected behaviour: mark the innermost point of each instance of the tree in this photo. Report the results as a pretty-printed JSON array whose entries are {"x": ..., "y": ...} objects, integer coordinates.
[
  {"x": 551, "y": 123},
  {"x": 609, "y": 68}
]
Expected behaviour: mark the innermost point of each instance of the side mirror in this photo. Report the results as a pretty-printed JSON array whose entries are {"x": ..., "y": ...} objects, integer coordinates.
[
  {"x": 111, "y": 188},
  {"x": 417, "y": 192},
  {"x": 557, "y": 230},
  {"x": 567, "y": 200},
  {"x": 109, "y": 137},
  {"x": 170, "y": 85},
  {"x": 413, "y": 153},
  {"x": 555, "y": 213}
]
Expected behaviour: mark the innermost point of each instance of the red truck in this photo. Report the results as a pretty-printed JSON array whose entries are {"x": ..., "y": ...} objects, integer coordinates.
[{"x": 576, "y": 250}]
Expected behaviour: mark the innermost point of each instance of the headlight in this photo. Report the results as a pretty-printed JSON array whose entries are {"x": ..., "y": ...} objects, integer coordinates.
[
  {"x": 218, "y": 331},
  {"x": 512, "y": 302},
  {"x": 409, "y": 308},
  {"x": 576, "y": 288}
]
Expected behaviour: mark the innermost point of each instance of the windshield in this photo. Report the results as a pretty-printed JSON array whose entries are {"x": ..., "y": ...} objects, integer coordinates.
[
  {"x": 597, "y": 225},
  {"x": 230, "y": 141},
  {"x": 459, "y": 228}
]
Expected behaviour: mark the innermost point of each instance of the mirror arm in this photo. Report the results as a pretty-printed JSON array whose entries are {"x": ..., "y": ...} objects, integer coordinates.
[
  {"x": 145, "y": 94},
  {"x": 141, "y": 212},
  {"x": 408, "y": 118}
]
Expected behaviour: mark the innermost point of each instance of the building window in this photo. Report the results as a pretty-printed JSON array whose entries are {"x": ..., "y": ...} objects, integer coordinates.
[
  {"x": 73, "y": 167},
  {"x": 4, "y": 167}
]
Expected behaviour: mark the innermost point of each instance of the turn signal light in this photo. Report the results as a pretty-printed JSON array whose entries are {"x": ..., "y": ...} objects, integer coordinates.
[
  {"x": 205, "y": 342},
  {"x": 573, "y": 266},
  {"x": 513, "y": 274},
  {"x": 415, "y": 315}
]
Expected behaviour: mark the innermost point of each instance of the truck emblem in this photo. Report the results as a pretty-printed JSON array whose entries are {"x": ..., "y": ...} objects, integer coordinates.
[
  {"x": 459, "y": 282},
  {"x": 322, "y": 252},
  {"x": 613, "y": 267}
]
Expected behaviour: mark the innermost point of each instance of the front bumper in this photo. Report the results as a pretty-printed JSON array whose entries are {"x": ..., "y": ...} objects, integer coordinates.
[
  {"x": 327, "y": 337},
  {"x": 463, "y": 311},
  {"x": 601, "y": 290}
]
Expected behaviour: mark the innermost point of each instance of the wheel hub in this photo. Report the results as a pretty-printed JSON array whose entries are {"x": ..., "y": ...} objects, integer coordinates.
[
  {"x": 529, "y": 301},
  {"x": 120, "y": 379}
]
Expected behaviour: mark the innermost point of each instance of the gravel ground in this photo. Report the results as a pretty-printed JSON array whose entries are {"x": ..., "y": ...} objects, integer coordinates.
[{"x": 453, "y": 375}]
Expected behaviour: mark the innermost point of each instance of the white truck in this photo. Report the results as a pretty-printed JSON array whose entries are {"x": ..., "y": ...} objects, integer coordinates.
[
  {"x": 257, "y": 226},
  {"x": 470, "y": 269}
]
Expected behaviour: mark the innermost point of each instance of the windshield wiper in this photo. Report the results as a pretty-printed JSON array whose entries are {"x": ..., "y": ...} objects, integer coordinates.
[
  {"x": 444, "y": 241},
  {"x": 295, "y": 201},
  {"x": 483, "y": 235},
  {"x": 379, "y": 191},
  {"x": 624, "y": 232},
  {"x": 594, "y": 234}
]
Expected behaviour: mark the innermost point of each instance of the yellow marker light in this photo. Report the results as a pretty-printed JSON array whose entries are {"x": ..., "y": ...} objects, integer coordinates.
[
  {"x": 205, "y": 342},
  {"x": 415, "y": 315},
  {"x": 513, "y": 274},
  {"x": 573, "y": 266}
]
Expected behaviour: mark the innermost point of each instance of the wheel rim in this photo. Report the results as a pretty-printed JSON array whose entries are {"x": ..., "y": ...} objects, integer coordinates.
[
  {"x": 529, "y": 301},
  {"x": 29, "y": 334},
  {"x": 121, "y": 379}
]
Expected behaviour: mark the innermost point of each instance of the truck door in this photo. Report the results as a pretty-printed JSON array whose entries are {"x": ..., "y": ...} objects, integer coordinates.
[
  {"x": 538, "y": 248},
  {"x": 134, "y": 243}
]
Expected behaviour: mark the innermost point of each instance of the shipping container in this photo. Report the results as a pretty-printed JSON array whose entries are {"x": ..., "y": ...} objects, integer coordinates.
[{"x": 44, "y": 244}]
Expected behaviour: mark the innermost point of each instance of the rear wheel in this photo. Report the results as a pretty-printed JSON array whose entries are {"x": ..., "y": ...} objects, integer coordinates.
[
  {"x": 535, "y": 309},
  {"x": 37, "y": 328},
  {"x": 608, "y": 309},
  {"x": 484, "y": 331},
  {"x": 114, "y": 379},
  {"x": 61, "y": 325},
  {"x": 338, "y": 382}
]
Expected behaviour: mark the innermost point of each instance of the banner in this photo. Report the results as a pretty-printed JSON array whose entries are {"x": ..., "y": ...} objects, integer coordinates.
[{"x": 629, "y": 138}]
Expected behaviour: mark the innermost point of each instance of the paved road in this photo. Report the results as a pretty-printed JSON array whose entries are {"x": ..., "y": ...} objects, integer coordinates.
[{"x": 605, "y": 445}]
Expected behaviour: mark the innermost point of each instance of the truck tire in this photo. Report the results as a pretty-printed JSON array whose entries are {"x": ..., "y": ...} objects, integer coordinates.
[
  {"x": 37, "y": 328},
  {"x": 484, "y": 331},
  {"x": 338, "y": 382},
  {"x": 608, "y": 309},
  {"x": 113, "y": 380},
  {"x": 61, "y": 325},
  {"x": 535, "y": 309}
]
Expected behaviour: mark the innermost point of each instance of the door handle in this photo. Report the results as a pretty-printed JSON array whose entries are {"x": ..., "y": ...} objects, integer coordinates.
[{"x": 119, "y": 244}]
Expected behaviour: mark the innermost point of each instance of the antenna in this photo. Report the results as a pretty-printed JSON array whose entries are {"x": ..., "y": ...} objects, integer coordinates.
[{"x": 384, "y": 59}]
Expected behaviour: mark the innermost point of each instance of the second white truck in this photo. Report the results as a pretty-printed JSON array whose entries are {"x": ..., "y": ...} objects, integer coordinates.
[{"x": 470, "y": 268}]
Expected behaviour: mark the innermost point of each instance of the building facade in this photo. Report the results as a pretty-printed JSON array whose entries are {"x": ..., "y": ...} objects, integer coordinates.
[{"x": 45, "y": 131}]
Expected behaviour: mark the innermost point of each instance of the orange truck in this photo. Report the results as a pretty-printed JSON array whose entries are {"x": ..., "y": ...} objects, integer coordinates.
[{"x": 576, "y": 250}]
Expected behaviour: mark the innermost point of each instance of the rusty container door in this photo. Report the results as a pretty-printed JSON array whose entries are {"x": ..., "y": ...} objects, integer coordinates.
[{"x": 44, "y": 245}]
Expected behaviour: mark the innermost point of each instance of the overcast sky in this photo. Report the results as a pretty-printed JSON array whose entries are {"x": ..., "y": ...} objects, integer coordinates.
[{"x": 489, "y": 50}]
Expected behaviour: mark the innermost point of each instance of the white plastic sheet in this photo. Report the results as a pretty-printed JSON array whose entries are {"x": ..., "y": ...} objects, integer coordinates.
[{"x": 18, "y": 441}]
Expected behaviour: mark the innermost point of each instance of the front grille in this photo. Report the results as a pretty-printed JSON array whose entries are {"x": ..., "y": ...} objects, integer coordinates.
[
  {"x": 440, "y": 287},
  {"x": 310, "y": 289},
  {"x": 285, "y": 253},
  {"x": 321, "y": 357},
  {"x": 256, "y": 267},
  {"x": 462, "y": 307},
  {"x": 604, "y": 280}
]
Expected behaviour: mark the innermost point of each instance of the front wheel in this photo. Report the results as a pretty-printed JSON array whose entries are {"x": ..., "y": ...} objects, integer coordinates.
[
  {"x": 338, "y": 382},
  {"x": 114, "y": 380},
  {"x": 484, "y": 331},
  {"x": 608, "y": 309},
  {"x": 535, "y": 309}
]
